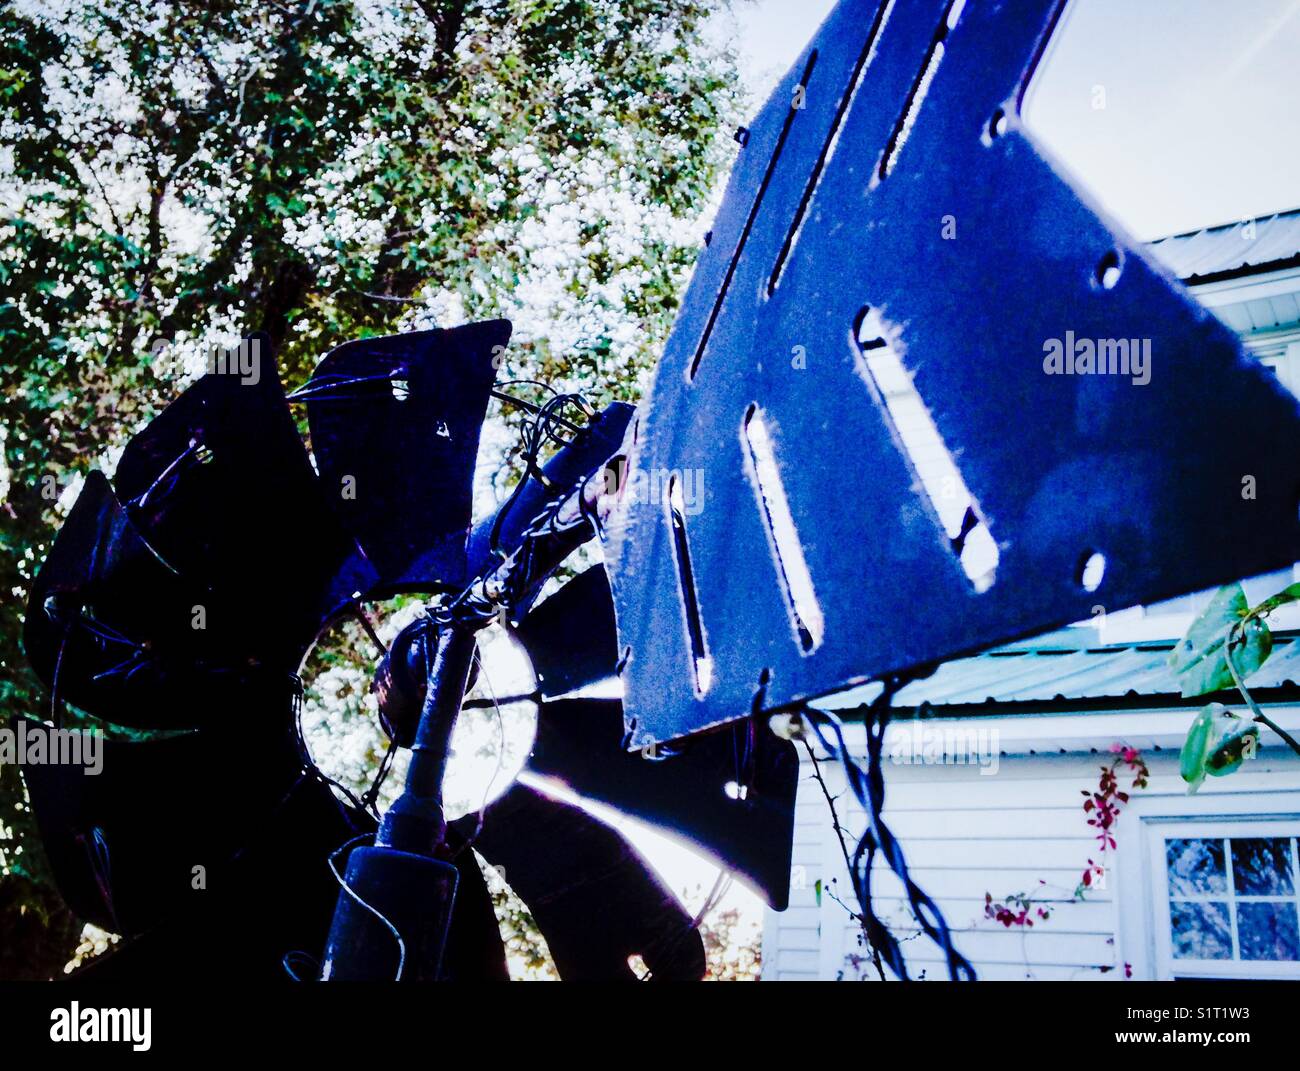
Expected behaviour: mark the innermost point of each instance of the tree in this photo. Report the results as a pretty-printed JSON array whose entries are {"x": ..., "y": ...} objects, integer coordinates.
[{"x": 178, "y": 174}]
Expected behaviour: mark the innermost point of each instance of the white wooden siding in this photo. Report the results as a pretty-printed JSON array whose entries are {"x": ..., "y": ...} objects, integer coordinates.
[{"x": 967, "y": 833}]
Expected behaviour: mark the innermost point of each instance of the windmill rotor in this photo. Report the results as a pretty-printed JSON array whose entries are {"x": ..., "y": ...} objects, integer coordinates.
[{"x": 178, "y": 605}]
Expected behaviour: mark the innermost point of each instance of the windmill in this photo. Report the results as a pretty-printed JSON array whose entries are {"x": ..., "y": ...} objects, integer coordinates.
[{"x": 889, "y": 225}]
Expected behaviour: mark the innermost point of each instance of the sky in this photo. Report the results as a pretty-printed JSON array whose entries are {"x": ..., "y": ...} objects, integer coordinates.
[{"x": 1201, "y": 116}]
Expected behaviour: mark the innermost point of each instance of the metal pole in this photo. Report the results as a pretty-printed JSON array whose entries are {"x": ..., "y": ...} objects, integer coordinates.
[
  {"x": 393, "y": 912},
  {"x": 415, "y": 821}
]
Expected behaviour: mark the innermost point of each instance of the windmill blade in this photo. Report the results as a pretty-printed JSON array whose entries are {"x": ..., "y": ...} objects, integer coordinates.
[
  {"x": 837, "y": 350},
  {"x": 593, "y": 897},
  {"x": 570, "y": 636},
  {"x": 110, "y": 627},
  {"x": 475, "y": 951},
  {"x": 571, "y": 640},
  {"x": 221, "y": 484},
  {"x": 275, "y": 896},
  {"x": 395, "y": 425},
  {"x": 123, "y": 842},
  {"x": 731, "y": 791}
]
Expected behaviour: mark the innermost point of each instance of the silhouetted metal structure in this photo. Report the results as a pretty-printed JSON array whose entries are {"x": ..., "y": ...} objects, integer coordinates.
[{"x": 885, "y": 203}]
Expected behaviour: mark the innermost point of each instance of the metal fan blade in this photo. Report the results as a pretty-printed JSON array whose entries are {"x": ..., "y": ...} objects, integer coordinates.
[
  {"x": 122, "y": 842},
  {"x": 110, "y": 627},
  {"x": 731, "y": 791},
  {"x": 395, "y": 427},
  {"x": 221, "y": 484},
  {"x": 475, "y": 952},
  {"x": 826, "y": 287},
  {"x": 570, "y": 465},
  {"x": 594, "y": 898},
  {"x": 570, "y": 637}
]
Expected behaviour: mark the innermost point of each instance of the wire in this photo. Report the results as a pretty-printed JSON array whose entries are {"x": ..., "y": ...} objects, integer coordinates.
[
  {"x": 56, "y": 708},
  {"x": 101, "y": 866},
  {"x": 501, "y": 757},
  {"x": 323, "y": 388},
  {"x": 343, "y": 884},
  {"x": 534, "y": 408},
  {"x": 721, "y": 886},
  {"x": 291, "y": 962},
  {"x": 304, "y": 755},
  {"x": 196, "y": 452},
  {"x": 539, "y": 430},
  {"x": 529, "y": 383},
  {"x": 868, "y": 787},
  {"x": 370, "y": 798},
  {"x": 360, "y": 612}
]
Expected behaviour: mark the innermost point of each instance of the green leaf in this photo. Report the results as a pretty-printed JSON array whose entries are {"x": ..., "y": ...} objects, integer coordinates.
[
  {"x": 1216, "y": 744},
  {"x": 1288, "y": 594},
  {"x": 817, "y": 891},
  {"x": 1196, "y": 747},
  {"x": 1198, "y": 660},
  {"x": 1240, "y": 738}
]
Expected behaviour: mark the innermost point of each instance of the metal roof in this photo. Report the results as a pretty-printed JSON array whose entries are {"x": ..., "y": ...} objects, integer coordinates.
[
  {"x": 1225, "y": 251},
  {"x": 1071, "y": 668}
]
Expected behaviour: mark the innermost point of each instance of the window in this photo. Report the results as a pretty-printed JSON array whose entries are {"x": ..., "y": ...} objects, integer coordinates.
[{"x": 1228, "y": 899}]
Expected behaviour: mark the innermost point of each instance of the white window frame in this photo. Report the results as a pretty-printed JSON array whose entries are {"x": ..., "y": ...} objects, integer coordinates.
[
  {"x": 1240, "y": 828},
  {"x": 1140, "y": 879}
]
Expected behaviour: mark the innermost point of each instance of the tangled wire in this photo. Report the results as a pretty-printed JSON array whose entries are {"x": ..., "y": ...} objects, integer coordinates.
[{"x": 868, "y": 786}]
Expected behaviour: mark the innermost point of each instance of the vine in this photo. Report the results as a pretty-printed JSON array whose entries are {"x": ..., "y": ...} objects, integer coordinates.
[
  {"x": 1226, "y": 643},
  {"x": 1102, "y": 806}
]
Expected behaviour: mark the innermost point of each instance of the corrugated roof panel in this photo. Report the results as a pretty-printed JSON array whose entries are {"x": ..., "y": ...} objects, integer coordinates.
[
  {"x": 1075, "y": 670},
  {"x": 1156, "y": 679},
  {"x": 989, "y": 677},
  {"x": 1053, "y": 676},
  {"x": 1216, "y": 250},
  {"x": 1103, "y": 673}
]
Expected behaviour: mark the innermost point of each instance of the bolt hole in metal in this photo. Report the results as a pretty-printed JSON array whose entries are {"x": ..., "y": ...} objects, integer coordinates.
[
  {"x": 995, "y": 128},
  {"x": 1092, "y": 571},
  {"x": 1108, "y": 271}
]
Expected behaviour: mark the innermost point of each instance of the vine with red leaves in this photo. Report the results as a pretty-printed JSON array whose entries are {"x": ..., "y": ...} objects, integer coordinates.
[{"x": 1102, "y": 807}]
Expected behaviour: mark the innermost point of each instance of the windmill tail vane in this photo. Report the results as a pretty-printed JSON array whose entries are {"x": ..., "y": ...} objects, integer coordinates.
[{"x": 804, "y": 554}]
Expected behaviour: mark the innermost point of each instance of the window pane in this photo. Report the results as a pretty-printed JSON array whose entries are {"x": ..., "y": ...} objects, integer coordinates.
[
  {"x": 1200, "y": 930},
  {"x": 1261, "y": 866},
  {"x": 1267, "y": 930},
  {"x": 1195, "y": 867}
]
